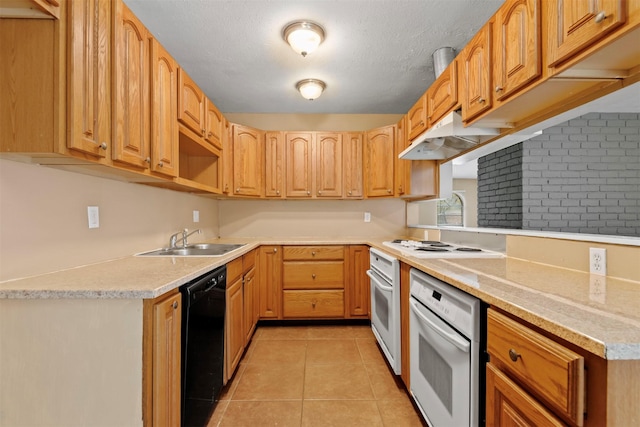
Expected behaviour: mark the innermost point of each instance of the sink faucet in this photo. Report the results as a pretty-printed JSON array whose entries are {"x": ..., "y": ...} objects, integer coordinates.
[{"x": 182, "y": 235}]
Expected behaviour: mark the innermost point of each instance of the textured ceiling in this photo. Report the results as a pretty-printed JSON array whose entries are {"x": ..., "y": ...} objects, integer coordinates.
[{"x": 376, "y": 57}]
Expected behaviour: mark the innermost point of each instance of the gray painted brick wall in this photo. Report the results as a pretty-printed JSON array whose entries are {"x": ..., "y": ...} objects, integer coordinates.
[{"x": 582, "y": 176}]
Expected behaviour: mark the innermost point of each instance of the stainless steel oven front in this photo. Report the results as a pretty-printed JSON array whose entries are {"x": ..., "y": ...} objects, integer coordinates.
[
  {"x": 445, "y": 352},
  {"x": 384, "y": 273}
]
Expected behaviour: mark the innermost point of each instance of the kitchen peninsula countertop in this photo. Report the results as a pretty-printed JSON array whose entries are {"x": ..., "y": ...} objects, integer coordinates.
[{"x": 600, "y": 316}]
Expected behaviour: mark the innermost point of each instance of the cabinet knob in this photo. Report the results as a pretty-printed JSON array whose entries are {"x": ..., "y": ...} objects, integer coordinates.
[
  {"x": 237, "y": 189},
  {"x": 203, "y": 132},
  {"x": 278, "y": 192},
  {"x": 308, "y": 193},
  {"x": 319, "y": 193},
  {"x": 161, "y": 164},
  {"x": 499, "y": 89},
  {"x": 389, "y": 191},
  {"x": 600, "y": 17},
  {"x": 313, "y": 276},
  {"x": 313, "y": 253},
  {"x": 210, "y": 134},
  {"x": 514, "y": 355},
  {"x": 147, "y": 160},
  {"x": 104, "y": 146},
  {"x": 481, "y": 100},
  {"x": 275, "y": 249},
  {"x": 175, "y": 305},
  {"x": 313, "y": 303},
  {"x": 350, "y": 192}
]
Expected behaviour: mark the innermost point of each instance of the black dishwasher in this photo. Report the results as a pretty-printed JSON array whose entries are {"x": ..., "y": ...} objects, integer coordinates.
[{"x": 202, "y": 345}]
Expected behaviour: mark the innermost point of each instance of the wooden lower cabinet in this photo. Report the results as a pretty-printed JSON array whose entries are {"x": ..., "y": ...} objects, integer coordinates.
[
  {"x": 509, "y": 405},
  {"x": 234, "y": 329},
  {"x": 357, "y": 287},
  {"x": 270, "y": 283},
  {"x": 162, "y": 351}
]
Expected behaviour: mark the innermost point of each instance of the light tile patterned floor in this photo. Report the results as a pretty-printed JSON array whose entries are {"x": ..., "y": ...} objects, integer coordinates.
[{"x": 314, "y": 376}]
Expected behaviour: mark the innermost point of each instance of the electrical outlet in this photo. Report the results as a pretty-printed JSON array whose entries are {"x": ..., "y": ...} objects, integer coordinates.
[
  {"x": 367, "y": 217},
  {"x": 93, "y": 215},
  {"x": 598, "y": 288},
  {"x": 598, "y": 261},
  {"x": 196, "y": 216}
]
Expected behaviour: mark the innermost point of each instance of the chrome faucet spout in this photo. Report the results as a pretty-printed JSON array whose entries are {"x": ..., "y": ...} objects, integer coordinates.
[{"x": 182, "y": 236}]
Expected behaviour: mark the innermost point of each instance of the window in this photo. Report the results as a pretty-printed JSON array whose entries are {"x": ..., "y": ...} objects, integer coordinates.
[{"x": 451, "y": 211}]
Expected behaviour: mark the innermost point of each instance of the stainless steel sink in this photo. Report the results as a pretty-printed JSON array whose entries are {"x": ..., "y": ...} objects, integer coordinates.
[{"x": 199, "y": 249}]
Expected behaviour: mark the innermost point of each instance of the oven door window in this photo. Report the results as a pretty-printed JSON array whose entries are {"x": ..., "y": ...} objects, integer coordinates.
[
  {"x": 382, "y": 307},
  {"x": 440, "y": 368}
]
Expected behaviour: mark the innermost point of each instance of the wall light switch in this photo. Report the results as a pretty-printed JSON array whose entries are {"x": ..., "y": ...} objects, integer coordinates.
[
  {"x": 93, "y": 214},
  {"x": 196, "y": 216},
  {"x": 367, "y": 217}
]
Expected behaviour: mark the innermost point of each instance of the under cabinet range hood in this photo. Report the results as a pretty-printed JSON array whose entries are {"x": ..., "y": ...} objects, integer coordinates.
[{"x": 446, "y": 139}]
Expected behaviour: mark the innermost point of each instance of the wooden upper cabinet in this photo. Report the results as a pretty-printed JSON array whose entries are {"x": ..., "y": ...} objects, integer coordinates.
[
  {"x": 191, "y": 104},
  {"x": 402, "y": 168},
  {"x": 131, "y": 128},
  {"x": 248, "y": 159},
  {"x": 328, "y": 164},
  {"x": 575, "y": 25},
  {"x": 352, "y": 159},
  {"x": 517, "y": 52},
  {"x": 89, "y": 77},
  {"x": 417, "y": 118},
  {"x": 476, "y": 63},
  {"x": 299, "y": 161},
  {"x": 213, "y": 124},
  {"x": 274, "y": 164},
  {"x": 442, "y": 95},
  {"x": 379, "y": 168},
  {"x": 164, "y": 107}
]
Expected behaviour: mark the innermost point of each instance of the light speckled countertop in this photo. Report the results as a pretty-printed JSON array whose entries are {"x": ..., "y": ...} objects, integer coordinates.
[{"x": 603, "y": 318}]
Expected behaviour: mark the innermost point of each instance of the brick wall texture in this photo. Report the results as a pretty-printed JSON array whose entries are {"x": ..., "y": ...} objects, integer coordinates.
[{"x": 581, "y": 176}]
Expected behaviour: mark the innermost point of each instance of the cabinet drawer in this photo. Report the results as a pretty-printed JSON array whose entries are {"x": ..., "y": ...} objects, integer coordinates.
[
  {"x": 313, "y": 303},
  {"x": 302, "y": 253},
  {"x": 313, "y": 275},
  {"x": 547, "y": 369},
  {"x": 249, "y": 260},
  {"x": 234, "y": 270}
]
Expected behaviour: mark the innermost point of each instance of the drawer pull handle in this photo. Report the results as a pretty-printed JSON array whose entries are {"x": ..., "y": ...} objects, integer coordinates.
[
  {"x": 313, "y": 253},
  {"x": 313, "y": 276},
  {"x": 514, "y": 355},
  {"x": 313, "y": 303}
]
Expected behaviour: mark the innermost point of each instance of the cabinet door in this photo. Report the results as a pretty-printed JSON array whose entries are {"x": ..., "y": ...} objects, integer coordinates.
[
  {"x": 247, "y": 161},
  {"x": 517, "y": 48},
  {"x": 248, "y": 304},
  {"x": 131, "y": 128},
  {"x": 274, "y": 164},
  {"x": 575, "y": 25},
  {"x": 352, "y": 165},
  {"x": 380, "y": 162},
  {"x": 190, "y": 103},
  {"x": 357, "y": 285},
  {"x": 509, "y": 405},
  {"x": 234, "y": 326},
  {"x": 402, "y": 168},
  {"x": 299, "y": 163},
  {"x": 417, "y": 118},
  {"x": 476, "y": 62},
  {"x": 442, "y": 95},
  {"x": 164, "y": 107},
  {"x": 213, "y": 124},
  {"x": 328, "y": 164},
  {"x": 167, "y": 349},
  {"x": 89, "y": 77},
  {"x": 270, "y": 270}
]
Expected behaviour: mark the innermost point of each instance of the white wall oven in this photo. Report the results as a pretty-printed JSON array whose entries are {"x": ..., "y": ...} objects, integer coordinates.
[
  {"x": 445, "y": 352},
  {"x": 385, "y": 305}
]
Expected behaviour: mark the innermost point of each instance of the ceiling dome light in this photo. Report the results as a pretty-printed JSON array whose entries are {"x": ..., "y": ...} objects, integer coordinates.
[
  {"x": 303, "y": 36},
  {"x": 311, "y": 88}
]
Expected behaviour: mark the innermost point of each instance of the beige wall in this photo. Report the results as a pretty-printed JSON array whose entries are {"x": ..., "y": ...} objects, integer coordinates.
[
  {"x": 70, "y": 362},
  {"x": 43, "y": 218},
  {"x": 311, "y": 218},
  {"x": 317, "y": 122}
]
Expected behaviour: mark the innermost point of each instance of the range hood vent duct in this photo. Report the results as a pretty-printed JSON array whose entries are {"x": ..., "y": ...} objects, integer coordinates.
[{"x": 442, "y": 58}]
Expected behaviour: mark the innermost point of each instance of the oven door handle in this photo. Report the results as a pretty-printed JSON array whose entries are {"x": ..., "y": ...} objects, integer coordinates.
[
  {"x": 462, "y": 345},
  {"x": 376, "y": 282}
]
